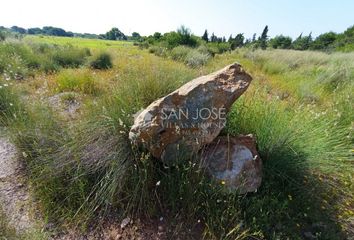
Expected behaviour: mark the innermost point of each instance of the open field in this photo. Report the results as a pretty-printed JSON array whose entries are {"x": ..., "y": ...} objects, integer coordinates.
[{"x": 70, "y": 124}]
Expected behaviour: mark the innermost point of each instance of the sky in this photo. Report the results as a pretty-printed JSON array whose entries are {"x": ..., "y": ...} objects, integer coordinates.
[{"x": 223, "y": 17}]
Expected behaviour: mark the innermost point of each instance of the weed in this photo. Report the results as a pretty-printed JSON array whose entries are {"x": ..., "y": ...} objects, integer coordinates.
[
  {"x": 78, "y": 80},
  {"x": 101, "y": 61}
]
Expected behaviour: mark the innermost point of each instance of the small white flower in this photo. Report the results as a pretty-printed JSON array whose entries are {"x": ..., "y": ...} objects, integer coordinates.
[{"x": 158, "y": 183}]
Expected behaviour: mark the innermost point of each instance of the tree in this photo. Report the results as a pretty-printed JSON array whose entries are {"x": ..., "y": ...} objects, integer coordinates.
[
  {"x": 2, "y": 36},
  {"x": 254, "y": 37},
  {"x": 346, "y": 38},
  {"x": 302, "y": 43},
  {"x": 115, "y": 34},
  {"x": 54, "y": 31},
  {"x": 34, "y": 31},
  {"x": 237, "y": 41},
  {"x": 186, "y": 36},
  {"x": 324, "y": 41},
  {"x": 136, "y": 36},
  {"x": 281, "y": 41},
  {"x": 205, "y": 36},
  {"x": 213, "y": 38},
  {"x": 18, "y": 29},
  {"x": 230, "y": 39},
  {"x": 263, "y": 38},
  {"x": 157, "y": 35}
]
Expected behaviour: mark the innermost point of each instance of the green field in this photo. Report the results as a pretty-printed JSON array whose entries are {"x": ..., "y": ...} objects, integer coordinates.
[{"x": 82, "y": 167}]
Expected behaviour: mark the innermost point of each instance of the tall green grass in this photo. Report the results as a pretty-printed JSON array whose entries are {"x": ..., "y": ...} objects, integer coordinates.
[
  {"x": 77, "y": 80},
  {"x": 19, "y": 60},
  {"x": 87, "y": 169}
]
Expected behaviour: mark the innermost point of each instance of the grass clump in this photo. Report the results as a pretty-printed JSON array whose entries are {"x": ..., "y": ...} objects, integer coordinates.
[
  {"x": 77, "y": 80},
  {"x": 180, "y": 53},
  {"x": 196, "y": 58},
  {"x": 10, "y": 105},
  {"x": 101, "y": 61},
  {"x": 70, "y": 57}
]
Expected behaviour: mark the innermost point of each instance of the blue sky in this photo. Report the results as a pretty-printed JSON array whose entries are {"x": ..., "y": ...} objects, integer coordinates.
[{"x": 223, "y": 17}]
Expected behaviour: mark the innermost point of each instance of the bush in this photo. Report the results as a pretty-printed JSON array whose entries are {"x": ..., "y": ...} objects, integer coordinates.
[
  {"x": 196, "y": 59},
  {"x": 101, "y": 61},
  {"x": 77, "y": 80},
  {"x": 69, "y": 57},
  {"x": 158, "y": 51},
  {"x": 180, "y": 53},
  {"x": 218, "y": 48},
  {"x": 2, "y": 36},
  {"x": 10, "y": 106}
]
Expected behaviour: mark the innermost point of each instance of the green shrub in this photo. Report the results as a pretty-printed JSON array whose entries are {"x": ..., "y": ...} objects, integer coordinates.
[
  {"x": 69, "y": 57},
  {"x": 180, "y": 53},
  {"x": 218, "y": 48},
  {"x": 158, "y": 51},
  {"x": 15, "y": 60},
  {"x": 10, "y": 106},
  {"x": 77, "y": 80},
  {"x": 101, "y": 61},
  {"x": 2, "y": 36},
  {"x": 196, "y": 59}
]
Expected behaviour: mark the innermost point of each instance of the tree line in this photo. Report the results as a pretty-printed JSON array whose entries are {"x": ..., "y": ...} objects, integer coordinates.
[{"x": 183, "y": 36}]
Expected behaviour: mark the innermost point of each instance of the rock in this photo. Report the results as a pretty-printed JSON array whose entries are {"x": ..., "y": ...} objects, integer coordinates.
[
  {"x": 125, "y": 222},
  {"x": 234, "y": 162},
  {"x": 67, "y": 104},
  {"x": 181, "y": 123}
]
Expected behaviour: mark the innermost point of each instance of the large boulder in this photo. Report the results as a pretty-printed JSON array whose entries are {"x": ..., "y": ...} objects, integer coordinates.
[
  {"x": 234, "y": 162},
  {"x": 181, "y": 123}
]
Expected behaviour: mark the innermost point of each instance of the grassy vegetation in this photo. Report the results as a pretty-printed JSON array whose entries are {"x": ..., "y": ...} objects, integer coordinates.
[
  {"x": 299, "y": 107},
  {"x": 77, "y": 80},
  {"x": 101, "y": 61}
]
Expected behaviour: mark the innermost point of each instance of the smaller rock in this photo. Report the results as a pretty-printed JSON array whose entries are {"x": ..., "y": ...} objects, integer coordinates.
[
  {"x": 234, "y": 161},
  {"x": 125, "y": 222}
]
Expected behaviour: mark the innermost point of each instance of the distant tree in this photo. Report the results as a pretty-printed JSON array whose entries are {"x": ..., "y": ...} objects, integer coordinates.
[
  {"x": 34, "y": 31},
  {"x": 157, "y": 35},
  {"x": 324, "y": 41},
  {"x": 254, "y": 37},
  {"x": 263, "y": 38},
  {"x": 237, "y": 41},
  {"x": 183, "y": 36},
  {"x": 302, "y": 43},
  {"x": 223, "y": 39},
  {"x": 213, "y": 38},
  {"x": 2, "y": 36},
  {"x": 281, "y": 41},
  {"x": 54, "y": 31},
  {"x": 205, "y": 36},
  {"x": 230, "y": 39},
  {"x": 18, "y": 29},
  {"x": 346, "y": 38},
  {"x": 172, "y": 39},
  {"x": 186, "y": 36},
  {"x": 247, "y": 42},
  {"x": 115, "y": 34},
  {"x": 136, "y": 36}
]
